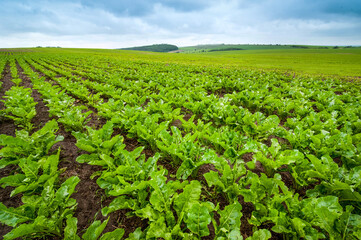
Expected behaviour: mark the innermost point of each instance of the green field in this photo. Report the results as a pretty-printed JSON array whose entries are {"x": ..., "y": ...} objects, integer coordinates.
[
  {"x": 242, "y": 145},
  {"x": 339, "y": 63},
  {"x": 211, "y": 47}
]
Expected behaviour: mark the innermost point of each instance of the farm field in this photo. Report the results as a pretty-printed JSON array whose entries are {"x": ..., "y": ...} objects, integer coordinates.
[{"x": 108, "y": 144}]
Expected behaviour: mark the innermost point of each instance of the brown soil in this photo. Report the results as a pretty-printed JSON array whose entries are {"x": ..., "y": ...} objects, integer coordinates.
[
  {"x": 247, "y": 209},
  {"x": 287, "y": 179},
  {"x": 6, "y": 125},
  {"x": 281, "y": 141}
]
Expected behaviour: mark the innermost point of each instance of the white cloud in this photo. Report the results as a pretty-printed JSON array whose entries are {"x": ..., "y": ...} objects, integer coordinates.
[{"x": 68, "y": 24}]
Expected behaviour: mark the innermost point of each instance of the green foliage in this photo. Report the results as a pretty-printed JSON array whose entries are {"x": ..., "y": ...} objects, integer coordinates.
[
  {"x": 33, "y": 146},
  {"x": 43, "y": 214},
  {"x": 154, "y": 48},
  {"x": 100, "y": 144},
  {"x": 20, "y": 106}
]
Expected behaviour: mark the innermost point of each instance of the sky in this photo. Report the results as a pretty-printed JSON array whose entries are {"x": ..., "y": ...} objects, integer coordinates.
[{"x": 120, "y": 23}]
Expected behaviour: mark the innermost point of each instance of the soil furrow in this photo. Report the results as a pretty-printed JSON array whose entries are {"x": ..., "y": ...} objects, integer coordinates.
[{"x": 7, "y": 126}]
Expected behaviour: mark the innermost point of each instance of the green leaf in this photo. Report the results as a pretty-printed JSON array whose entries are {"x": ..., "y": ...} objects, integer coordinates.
[
  {"x": 12, "y": 216},
  {"x": 191, "y": 193},
  {"x": 122, "y": 202},
  {"x": 262, "y": 234},
  {"x": 157, "y": 229},
  {"x": 71, "y": 229},
  {"x": 66, "y": 189},
  {"x": 50, "y": 163},
  {"x": 213, "y": 179},
  {"x": 136, "y": 235},
  {"x": 20, "y": 231},
  {"x": 84, "y": 145},
  {"x": 198, "y": 219},
  {"x": 94, "y": 230},
  {"x": 230, "y": 219},
  {"x": 108, "y": 161},
  {"x": 323, "y": 212},
  {"x": 148, "y": 213},
  {"x": 30, "y": 168},
  {"x": 12, "y": 180},
  {"x": 117, "y": 234},
  {"x": 92, "y": 159},
  {"x": 110, "y": 143}
]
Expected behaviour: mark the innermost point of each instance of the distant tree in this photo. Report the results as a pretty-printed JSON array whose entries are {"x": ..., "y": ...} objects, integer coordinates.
[{"x": 155, "y": 48}]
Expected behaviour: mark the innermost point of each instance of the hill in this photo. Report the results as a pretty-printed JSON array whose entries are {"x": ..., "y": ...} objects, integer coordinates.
[
  {"x": 234, "y": 47},
  {"x": 154, "y": 48}
]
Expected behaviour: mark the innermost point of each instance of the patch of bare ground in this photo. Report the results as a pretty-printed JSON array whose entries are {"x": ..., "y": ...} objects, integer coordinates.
[
  {"x": 7, "y": 125},
  {"x": 247, "y": 157},
  {"x": 247, "y": 209}
]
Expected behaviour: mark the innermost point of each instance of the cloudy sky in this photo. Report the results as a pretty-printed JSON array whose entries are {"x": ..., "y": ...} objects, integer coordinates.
[{"x": 121, "y": 23}]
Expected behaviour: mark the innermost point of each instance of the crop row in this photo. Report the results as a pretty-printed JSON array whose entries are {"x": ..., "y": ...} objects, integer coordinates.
[
  {"x": 213, "y": 117},
  {"x": 268, "y": 165}
]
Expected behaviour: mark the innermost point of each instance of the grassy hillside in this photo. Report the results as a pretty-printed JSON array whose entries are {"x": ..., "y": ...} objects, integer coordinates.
[
  {"x": 341, "y": 62},
  {"x": 225, "y": 47},
  {"x": 154, "y": 48}
]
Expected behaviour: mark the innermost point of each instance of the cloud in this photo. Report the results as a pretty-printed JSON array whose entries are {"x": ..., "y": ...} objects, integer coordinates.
[
  {"x": 181, "y": 22},
  {"x": 145, "y": 7}
]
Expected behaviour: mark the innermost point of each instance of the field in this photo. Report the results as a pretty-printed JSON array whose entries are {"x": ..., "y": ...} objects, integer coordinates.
[
  {"x": 217, "y": 47},
  {"x": 110, "y": 144}
]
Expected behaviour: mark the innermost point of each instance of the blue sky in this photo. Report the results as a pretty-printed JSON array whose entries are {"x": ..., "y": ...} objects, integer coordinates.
[{"x": 116, "y": 24}]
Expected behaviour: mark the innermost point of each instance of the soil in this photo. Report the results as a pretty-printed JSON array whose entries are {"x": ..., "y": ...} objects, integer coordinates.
[
  {"x": 247, "y": 209},
  {"x": 281, "y": 141},
  {"x": 7, "y": 126}
]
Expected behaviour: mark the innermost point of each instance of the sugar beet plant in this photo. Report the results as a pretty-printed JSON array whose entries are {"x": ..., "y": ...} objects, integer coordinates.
[
  {"x": 229, "y": 148},
  {"x": 20, "y": 107}
]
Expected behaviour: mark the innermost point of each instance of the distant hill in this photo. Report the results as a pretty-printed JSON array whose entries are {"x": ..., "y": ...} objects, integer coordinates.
[
  {"x": 235, "y": 47},
  {"x": 154, "y": 48}
]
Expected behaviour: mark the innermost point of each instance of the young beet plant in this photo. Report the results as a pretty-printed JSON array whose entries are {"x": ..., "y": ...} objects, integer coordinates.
[
  {"x": 20, "y": 107},
  {"x": 27, "y": 146}
]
